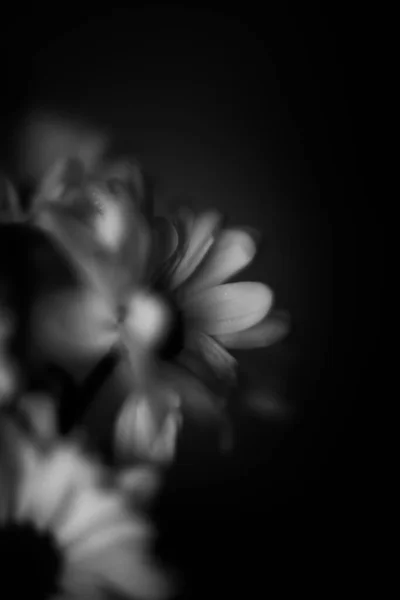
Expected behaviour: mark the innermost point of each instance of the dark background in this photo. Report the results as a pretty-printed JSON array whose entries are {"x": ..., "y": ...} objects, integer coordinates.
[{"x": 250, "y": 112}]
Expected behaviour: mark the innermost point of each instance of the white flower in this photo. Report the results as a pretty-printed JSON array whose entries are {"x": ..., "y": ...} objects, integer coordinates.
[
  {"x": 213, "y": 316},
  {"x": 55, "y": 494},
  {"x": 191, "y": 366}
]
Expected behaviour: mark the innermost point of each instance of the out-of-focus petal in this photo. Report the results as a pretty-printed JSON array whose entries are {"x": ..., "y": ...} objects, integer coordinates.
[
  {"x": 232, "y": 252},
  {"x": 197, "y": 399},
  {"x": 40, "y": 412},
  {"x": 199, "y": 236},
  {"x": 74, "y": 325},
  {"x": 60, "y": 473},
  {"x": 122, "y": 568},
  {"x": 165, "y": 244},
  {"x": 128, "y": 174},
  {"x": 90, "y": 513},
  {"x": 221, "y": 362},
  {"x": 271, "y": 330},
  {"x": 230, "y": 307},
  {"x": 10, "y": 208},
  {"x": 140, "y": 483},
  {"x": 139, "y": 433}
]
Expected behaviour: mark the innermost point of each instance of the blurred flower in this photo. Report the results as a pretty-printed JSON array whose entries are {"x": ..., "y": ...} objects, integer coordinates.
[
  {"x": 63, "y": 527},
  {"x": 191, "y": 366},
  {"x": 96, "y": 221},
  {"x": 210, "y": 316}
]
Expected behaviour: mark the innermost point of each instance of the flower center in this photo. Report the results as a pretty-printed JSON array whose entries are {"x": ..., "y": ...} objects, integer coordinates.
[
  {"x": 147, "y": 317},
  {"x": 30, "y": 561}
]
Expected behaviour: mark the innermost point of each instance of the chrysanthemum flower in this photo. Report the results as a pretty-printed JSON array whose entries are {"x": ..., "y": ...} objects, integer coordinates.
[
  {"x": 210, "y": 316},
  {"x": 65, "y": 531}
]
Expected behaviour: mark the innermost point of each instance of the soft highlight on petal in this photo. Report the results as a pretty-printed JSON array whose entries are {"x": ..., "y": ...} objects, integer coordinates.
[
  {"x": 230, "y": 307},
  {"x": 199, "y": 241},
  {"x": 270, "y": 331},
  {"x": 139, "y": 433},
  {"x": 232, "y": 252}
]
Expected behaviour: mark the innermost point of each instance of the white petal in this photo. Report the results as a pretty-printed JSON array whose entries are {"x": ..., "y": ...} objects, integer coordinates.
[
  {"x": 266, "y": 333},
  {"x": 122, "y": 568},
  {"x": 108, "y": 535},
  {"x": 139, "y": 482},
  {"x": 230, "y": 307},
  {"x": 163, "y": 448},
  {"x": 136, "y": 428},
  {"x": 89, "y": 511},
  {"x": 110, "y": 224},
  {"x": 138, "y": 432},
  {"x": 232, "y": 252},
  {"x": 200, "y": 240},
  {"x": 57, "y": 476}
]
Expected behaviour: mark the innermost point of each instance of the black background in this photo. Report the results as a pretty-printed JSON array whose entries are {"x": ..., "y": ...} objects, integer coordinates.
[{"x": 249, "y": 111}]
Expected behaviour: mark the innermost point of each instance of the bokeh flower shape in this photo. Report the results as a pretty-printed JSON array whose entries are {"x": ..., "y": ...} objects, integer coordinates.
[{"x": 101, "y": 545}]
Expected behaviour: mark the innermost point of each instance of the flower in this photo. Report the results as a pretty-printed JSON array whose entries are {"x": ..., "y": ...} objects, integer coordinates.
[
  {"x": 210, "y": 316},
  {"x": 64, "y": 528},
  {"x": 96, "y": 221}
]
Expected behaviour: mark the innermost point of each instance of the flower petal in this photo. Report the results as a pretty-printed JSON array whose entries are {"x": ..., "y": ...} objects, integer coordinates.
[
  {"x": 40, "y": 412},
  {"x": 10, "y": 209},
  {"x": 125, "y": 568},
  {"x": 60, "y": 473},
  {"x": 229, "y": 308},
  {"x": 195, "y": 396},
  {"x": 90, "y": 511},
  {"x": 128, "y": 174},
  {"x": 221, "y": 362},
  {"x": 140, "y": 483},
  {"x": 73, "y": 325},
  {"x": 199, "y": 241},
  {"x": 271, "y": 330},
  {"x": 138, "y": 432},
  {"x": 165, "y": 244},
  {"x": 232, "y": 252}
]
